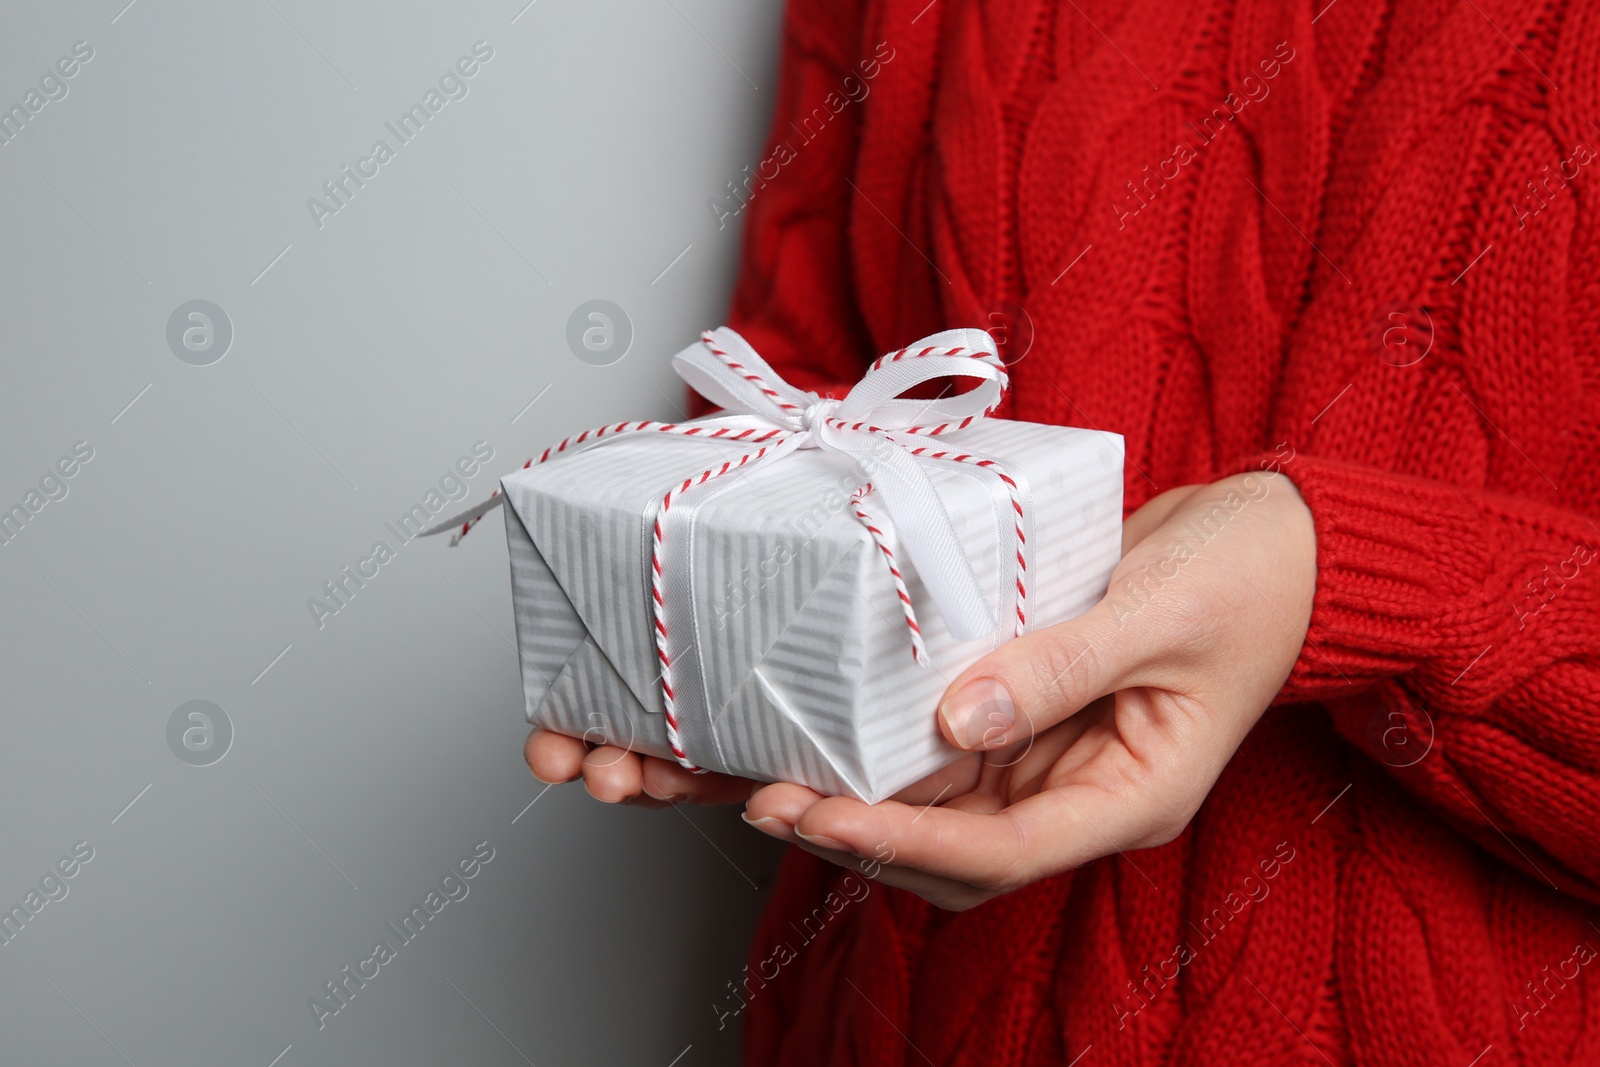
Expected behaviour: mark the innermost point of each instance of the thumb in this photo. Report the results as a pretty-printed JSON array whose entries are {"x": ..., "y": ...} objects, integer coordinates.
[{"x": 1032, "y": 682}]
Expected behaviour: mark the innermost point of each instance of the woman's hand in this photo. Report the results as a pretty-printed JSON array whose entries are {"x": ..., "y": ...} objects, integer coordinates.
[
  {"x": 1098, "y": 735},
  {"x": 620, "y": 776}
]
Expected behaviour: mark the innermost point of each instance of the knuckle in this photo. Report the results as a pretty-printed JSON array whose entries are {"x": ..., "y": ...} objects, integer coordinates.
[
  {"x": 1189, "y": 613},
  {"x": 1193, "y": 619},
  {"x": 1017, "y": 860},
  {"x": 1185, "y": 606},
  {"x": 1059, "y": 669}
]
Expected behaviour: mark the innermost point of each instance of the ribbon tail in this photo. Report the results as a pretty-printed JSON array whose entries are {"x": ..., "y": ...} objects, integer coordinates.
[
  {"x": 925, "y": 530},
  {"x": 732, "y": 428},
  {"x": 476, "y": 511}
]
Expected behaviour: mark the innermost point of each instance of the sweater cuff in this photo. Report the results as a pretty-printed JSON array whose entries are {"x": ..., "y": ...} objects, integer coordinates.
[{"x": 1393, "y": 555}]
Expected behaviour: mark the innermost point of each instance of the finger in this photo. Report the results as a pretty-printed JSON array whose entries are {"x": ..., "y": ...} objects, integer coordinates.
[
  {"x": 612, "y": 774},
  {"x": 1044, "y": 677},
  {"x": 952, "y": 780},
  {"x": 774, "y": 809},
  {"x": 946, "y": 842},
  {"x": 666, "y": 780},
  {"x": 783, "y": 802},
  {"x": 947, "y": 893},
  {"x": 1035, "y": 681},
  {"x": 1021, "y": 768},
  {"x": 1053, "y": 831},
  {"x": 554, "y": 757},
  {"x": 644, "y": 801}
]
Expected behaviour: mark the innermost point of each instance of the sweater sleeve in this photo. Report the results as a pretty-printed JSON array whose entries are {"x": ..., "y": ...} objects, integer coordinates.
[
  {"x": 1455, "y": 637},
  {"x": 795, "y": 295}
]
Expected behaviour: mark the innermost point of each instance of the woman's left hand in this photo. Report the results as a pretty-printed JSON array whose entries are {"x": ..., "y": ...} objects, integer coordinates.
[{"x": 1102, "y": 734}]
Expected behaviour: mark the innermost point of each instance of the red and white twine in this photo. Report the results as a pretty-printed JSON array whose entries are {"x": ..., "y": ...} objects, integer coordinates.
[
  {"x": 918, "y": 651},
  {"x": 1017, "y": 518},
  {"x": 659, "y": 602},
  {"x": 725, "y": 433},
  {"x": 709, "y": 339}
]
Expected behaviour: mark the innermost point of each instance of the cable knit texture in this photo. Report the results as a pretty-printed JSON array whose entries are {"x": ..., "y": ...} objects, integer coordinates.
[{"x": 1344, "y": 271}]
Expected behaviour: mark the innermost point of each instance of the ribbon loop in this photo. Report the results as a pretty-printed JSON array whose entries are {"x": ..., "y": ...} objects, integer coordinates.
[
  {"x": 864, "y": 426},
  {"x": 723, "y": 368},
  {"x": 951, "y": 354}
]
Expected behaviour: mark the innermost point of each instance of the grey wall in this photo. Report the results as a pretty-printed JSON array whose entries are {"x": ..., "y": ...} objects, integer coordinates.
[{"x": 370, "y": 753}]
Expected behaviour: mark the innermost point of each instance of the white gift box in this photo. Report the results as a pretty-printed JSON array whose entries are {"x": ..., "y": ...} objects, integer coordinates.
[{"x": 791, "y": 657}]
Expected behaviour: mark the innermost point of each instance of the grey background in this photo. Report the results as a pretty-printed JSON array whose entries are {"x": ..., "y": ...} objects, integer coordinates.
[{"x": 368, "y": 355}]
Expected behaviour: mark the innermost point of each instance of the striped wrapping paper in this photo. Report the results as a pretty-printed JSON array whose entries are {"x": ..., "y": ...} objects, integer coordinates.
[{"x": 789, "y": 647}]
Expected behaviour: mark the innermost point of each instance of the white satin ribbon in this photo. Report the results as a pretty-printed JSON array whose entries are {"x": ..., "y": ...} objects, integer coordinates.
[{"x": 874, "y": 426}]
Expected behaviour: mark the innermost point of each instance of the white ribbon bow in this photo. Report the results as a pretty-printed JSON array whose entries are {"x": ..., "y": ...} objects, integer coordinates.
[{"x": 889, "y": 437}]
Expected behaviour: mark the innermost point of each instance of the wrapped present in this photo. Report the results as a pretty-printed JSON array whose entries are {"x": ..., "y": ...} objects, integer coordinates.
[{"x": 784, "y": 591}]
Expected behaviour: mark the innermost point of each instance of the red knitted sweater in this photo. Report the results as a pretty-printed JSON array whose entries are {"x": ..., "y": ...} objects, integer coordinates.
[{"x": 1356, "y": 233}]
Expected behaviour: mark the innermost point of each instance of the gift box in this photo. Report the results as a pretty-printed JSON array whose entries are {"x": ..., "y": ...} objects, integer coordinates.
[{"x": 785, "y": 591}]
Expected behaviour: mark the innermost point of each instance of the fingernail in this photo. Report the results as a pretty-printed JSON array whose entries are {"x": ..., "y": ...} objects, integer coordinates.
[
  {"x": 980, "y": 714},
  {"x": 768, "y": 825},
  {"x": 824, "y": 842}
]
